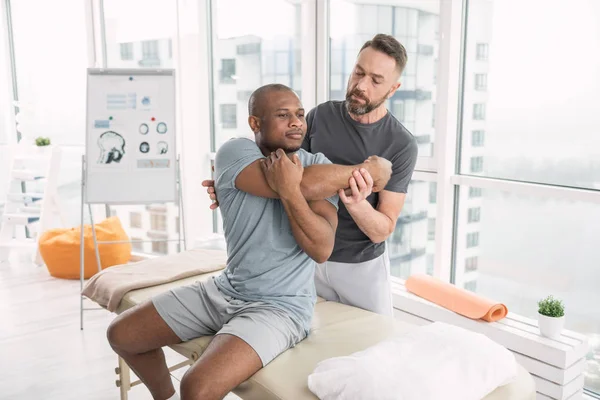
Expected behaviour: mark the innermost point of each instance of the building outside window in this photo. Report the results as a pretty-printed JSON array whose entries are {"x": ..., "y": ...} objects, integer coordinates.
[
  {"x": 126, "y": 51},
  {"x": 479, "y": 111},
  {"x": 476, "y": 164},
  {"x": 158, "y": 222},
  {"x": 228, "y": 70},
  {"x": 482, "y": 52},
  {"x": 477, "y": 138},
  {"x": 228, "y": 116},
  {"x": 135, "y": 219},
  {"x": 472, "y": 239}
]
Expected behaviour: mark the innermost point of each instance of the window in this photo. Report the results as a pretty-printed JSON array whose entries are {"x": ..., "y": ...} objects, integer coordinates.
[
  {"x": 478, "y": 112},
  {"x": 471, "y": 286},
  {"x": 528, "y": 119},
  {"x": 228, "y": 116},
  {"x": 139, "y": 36},
  {"x": 410, "y": 246},
  {"x": 44, "y": 62},
  {"x": 472, "y": 239},
  {"x": 527, "y": 256},
  {"x": 476, "y": 165},
  {"x": 405, "y": 112},
  {"x": 158, "y": 222},
  {"x": 432, "y": 192},
  {"x": 398, "y": 110},
  {"x": 150, "y": 49},
  {"x": 482, "y": 52},
  {"x": 135, "y": 219},
  {"x": 431, "y": 229},
  {"x": 126, "y": 51},
  {"x": 430, "y": 265},
  {"x": 150, "y": 53},
  {"x": 136, "y": 244},
  {"x": 475, "y": 192},
  {"x": 248, "y": 48},
  {"x": 260, "y": 50},
  {"x": 177, "y": 225},
  {"x": 477, "y": 138},
  {"x": 480, "y": 81},
  {"x": 352, "y": 23},
  {"x": 228, "y": 70},
  {"x": 160, "y": 247},
  {"x": 474, "y": 214},
  {"x": 471, "y": 264}
]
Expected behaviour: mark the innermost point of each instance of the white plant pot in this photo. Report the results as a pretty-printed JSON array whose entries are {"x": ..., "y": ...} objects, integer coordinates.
[{"x": 551, "y": 327}]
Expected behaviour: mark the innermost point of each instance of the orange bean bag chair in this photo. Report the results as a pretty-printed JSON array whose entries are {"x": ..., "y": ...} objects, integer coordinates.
[{"x": 61, "y": 252}]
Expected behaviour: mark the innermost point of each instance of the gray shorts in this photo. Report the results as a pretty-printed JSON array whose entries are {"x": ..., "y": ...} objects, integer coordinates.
[{"x": 201, "y": 309}]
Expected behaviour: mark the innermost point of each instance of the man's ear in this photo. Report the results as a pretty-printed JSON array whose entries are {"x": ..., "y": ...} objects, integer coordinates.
[
  {"x": 395, "y": 87},
  {"x": 254, "y": 123}
]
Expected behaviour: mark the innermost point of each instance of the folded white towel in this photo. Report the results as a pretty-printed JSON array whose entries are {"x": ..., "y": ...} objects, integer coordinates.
[{"x": 432, "y": 362}]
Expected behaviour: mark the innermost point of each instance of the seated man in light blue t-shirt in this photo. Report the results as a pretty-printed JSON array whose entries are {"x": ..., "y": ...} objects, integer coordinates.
[{"x": 276, "y": 226}]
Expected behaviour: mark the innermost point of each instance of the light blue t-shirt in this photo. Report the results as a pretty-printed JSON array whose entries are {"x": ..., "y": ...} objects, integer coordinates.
[{"x": 264, "y": 261}]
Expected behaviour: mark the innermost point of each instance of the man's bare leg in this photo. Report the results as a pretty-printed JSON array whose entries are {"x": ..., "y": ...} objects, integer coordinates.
[
  {"x": 138, "y": 335},
  {"x": 227, "y": 362}
]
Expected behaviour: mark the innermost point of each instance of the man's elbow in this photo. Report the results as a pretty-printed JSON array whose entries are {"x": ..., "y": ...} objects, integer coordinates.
[
  {"x": 379, "y": 239},
  {"x": 382, "y": 236},
  {"x": 322, "y": 256},
  {"x": 308, "y": 190},
  {"x": 323, "y": 252}
]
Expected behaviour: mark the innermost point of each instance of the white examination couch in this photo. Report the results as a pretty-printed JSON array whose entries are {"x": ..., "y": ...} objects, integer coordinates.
[{"x": 337, "y": 330}]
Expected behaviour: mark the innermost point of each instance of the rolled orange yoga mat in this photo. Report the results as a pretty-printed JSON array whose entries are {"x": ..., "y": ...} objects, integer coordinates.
[{"x": 459, "y": 300}]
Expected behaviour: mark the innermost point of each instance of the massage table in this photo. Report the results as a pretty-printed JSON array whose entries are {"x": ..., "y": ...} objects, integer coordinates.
[{"x": 337, "y": 330}]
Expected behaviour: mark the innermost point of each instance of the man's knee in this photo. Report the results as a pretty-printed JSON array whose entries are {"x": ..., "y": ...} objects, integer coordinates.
[
  {"x": 117, "y": 335},
  {"x": 195, "y": 386}
]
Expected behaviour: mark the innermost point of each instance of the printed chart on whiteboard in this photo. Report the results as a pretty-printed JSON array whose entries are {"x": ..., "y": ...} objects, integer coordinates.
[{"x": 130, "y": 144}]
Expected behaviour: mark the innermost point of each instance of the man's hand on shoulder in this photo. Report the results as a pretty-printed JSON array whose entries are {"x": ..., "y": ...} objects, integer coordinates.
[
  {"x": 210, "y": 185},
  {"x": 283, "y": 173},
  {"x": 381, "y": 171}
]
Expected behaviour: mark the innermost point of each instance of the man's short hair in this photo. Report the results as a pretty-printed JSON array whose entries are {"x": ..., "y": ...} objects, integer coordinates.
[
  {"x": 388, "y": 44},
  {"x": 257, "y": 98}
]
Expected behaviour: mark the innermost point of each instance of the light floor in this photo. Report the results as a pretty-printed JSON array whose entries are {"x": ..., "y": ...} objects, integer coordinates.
[{"x": 43, "y": 353}]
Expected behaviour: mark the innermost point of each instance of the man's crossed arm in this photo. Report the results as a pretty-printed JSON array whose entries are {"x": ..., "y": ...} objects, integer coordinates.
[
  {"x": 313, "y": 222},
  {"x": 319, "y": 181}
]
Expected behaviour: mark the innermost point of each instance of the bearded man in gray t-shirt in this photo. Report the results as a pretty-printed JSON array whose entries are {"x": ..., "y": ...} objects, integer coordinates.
[{"x": 347, "y": 132}]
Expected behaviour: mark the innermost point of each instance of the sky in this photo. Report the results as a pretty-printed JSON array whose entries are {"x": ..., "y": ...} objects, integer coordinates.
[{"x": 544, "y": 79}]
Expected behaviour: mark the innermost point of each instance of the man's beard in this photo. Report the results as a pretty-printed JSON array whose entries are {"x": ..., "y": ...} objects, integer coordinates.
[
  {"x": 288, "y": 149},
  {"x": 361, "y": 109}
]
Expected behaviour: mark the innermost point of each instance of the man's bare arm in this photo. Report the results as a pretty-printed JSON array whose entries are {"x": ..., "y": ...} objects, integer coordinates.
[
  {"x": 313, "y": 225},
  {"x": 319, "y": 181},
  {"x": 325, "y": 180},
  {"x": 378, "y": 223}
]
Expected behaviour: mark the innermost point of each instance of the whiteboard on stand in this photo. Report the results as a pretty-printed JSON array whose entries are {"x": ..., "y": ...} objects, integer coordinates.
[{"x": 130, "y": 137}]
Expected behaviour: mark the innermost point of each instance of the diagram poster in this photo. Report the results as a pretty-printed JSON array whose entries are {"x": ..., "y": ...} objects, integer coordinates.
[{"x": 130, "y": 143}]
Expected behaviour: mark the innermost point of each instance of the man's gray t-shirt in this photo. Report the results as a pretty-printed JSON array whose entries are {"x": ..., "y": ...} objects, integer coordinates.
[
  {"x": 264, "y": 261},
  {"x": 342, "y": 140}
]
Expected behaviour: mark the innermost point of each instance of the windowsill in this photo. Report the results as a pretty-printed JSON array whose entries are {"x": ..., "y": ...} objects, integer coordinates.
[{"x": 556, "y": 365}]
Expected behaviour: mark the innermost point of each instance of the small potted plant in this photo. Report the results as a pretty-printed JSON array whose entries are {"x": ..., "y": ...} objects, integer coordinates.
[
  {"x": 551, "y": 317},
  {"x": 42, "y": 141}
]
